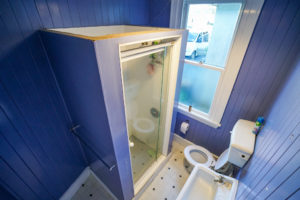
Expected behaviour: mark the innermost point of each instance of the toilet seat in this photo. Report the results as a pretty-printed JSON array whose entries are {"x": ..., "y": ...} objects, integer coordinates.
[{"x": 201, "y": 156}]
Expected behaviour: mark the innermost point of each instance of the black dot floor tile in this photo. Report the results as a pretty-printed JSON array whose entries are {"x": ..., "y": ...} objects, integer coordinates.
[{"x": 174, "y": 180}]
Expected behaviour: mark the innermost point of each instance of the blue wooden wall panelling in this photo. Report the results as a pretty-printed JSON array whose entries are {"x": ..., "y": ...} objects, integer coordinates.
[
  {"x": 160, "y": 13},
  {"x": 273, "y": 46},
  {"x": 274, "y": 38},
  {"x": 15, "y": 161},
  {"x": 16, "y": 77},
  {"x": 74, "y": 14},
  {"x": 11, "y": 178},
  {"x": 20, "y": 49},
  {"x": 295, "y": 195},
  {"x": 31, "y": 151},
  {"x": 5, "y": 194},
  {"x": 32, "y": 62},
  {"x": 75, "y": 66},
  {"x": 273, "y": 171},
  {"x": 30, "y": 95},
  {"x": 44, "y": 13},
  {"x": 291, "y": 43}
]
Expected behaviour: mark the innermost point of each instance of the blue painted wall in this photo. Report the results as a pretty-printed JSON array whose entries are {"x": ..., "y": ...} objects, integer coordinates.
[
  {"x": 274, "y": 169},
  {"x": 160, "y": 13},
  {"x": 76, "y": 69},
  {"x": 5, "y": 194},
  {"x": 272, "y": 48},
  {"x": 39, "y": 158}
]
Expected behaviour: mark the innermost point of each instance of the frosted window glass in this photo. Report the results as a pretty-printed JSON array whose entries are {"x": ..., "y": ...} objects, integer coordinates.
[
  {"x": 211, "y": 30},
  {"x": 198, "y": 87}
]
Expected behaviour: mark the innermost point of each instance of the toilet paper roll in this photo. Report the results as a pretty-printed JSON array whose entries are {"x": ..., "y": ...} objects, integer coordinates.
[{"x": 184, "y": 127}]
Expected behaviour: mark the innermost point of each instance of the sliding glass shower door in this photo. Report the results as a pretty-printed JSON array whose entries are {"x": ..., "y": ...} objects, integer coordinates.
[{"x": 145, "y": 76}]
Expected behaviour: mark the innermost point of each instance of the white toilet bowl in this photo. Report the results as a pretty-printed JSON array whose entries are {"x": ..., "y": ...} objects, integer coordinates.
[{"x": 195, "y": 155}]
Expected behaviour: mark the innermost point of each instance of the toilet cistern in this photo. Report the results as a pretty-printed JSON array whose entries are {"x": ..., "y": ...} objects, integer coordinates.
[{"x": 241, "y": 147}]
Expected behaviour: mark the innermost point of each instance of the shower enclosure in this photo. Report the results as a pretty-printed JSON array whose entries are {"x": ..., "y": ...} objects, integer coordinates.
[
  {"x": 119, "y": 84},
  {"x": 145, "y": 77}
]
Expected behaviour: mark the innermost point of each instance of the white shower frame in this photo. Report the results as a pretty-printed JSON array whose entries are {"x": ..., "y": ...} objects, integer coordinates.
[
  {"x": 175, "y": 51},
  {"x": 172, "y": 78}
]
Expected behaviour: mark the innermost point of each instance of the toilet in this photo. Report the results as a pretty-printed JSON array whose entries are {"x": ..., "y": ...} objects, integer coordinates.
[
  {"x": 241, "y": 147},
  {"x": 195, "y": 154}
]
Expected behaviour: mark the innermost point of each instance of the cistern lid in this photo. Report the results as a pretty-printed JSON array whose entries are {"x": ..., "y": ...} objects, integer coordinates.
[{"x": 242, "y": 137}]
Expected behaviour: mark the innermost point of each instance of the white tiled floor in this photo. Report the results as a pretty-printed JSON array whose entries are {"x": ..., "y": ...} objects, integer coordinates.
[
  {"x": 91, "y": 189},
  {"x": 169, "y": 182},
  {"x": 165, "y": 186},
  {"x": 142, "y": 156}
]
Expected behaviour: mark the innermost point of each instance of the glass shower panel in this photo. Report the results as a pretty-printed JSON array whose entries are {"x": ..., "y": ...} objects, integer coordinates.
[{"x": 143, "y": 78}]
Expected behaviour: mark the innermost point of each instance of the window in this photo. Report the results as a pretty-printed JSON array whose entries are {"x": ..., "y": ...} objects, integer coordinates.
[{"x": 219, "y": 33}]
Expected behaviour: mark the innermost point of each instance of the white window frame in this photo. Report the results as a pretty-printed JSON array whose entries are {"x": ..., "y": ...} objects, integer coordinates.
[{"x": 249, "y": 14}]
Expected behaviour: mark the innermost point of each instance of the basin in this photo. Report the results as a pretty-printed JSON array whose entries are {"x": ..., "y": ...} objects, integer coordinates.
[{"x": 206, "y": 184}]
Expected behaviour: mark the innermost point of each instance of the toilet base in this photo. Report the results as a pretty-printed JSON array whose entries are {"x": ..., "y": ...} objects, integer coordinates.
[{"x": 189, "y": 168}]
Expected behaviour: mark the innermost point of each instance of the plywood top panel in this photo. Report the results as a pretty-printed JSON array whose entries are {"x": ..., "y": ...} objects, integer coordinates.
[{"x": 106, "y": 32}]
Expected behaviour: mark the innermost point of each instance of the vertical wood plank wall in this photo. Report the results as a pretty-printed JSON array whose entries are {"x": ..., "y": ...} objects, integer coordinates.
[
  {"x": 4, "y": 194},
  {"x": 274, "y": 169},
  {"x": 39, "y": 158},
  {"x": 76, "y": 70},
  {"x": 160, "y": 13},
  {"x": 272, "y": 48}
]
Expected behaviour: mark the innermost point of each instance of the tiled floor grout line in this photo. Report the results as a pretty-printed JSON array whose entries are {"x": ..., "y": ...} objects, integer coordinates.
[
  {"x": 165, "y": 186},
  {"x": 170, "y": 180}
]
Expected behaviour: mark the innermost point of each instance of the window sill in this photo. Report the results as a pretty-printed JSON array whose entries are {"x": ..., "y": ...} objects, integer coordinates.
[{"x": 197, "y": 116}]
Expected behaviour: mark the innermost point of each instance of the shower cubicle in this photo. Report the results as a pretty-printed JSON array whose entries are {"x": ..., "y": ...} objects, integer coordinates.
[
  {"x": 133, "y": 79},
  {"x": 145, "y": 73}
]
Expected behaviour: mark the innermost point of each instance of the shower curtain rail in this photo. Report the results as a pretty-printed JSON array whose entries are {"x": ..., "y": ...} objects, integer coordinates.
[
  {"x": 74, "y": 131},
  {"x": 135, "y": 56},
  {"x": 128, "y": 53}
]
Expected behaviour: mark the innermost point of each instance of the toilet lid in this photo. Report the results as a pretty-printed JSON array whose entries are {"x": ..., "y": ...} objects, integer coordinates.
[{"x": 222, "y": 160}]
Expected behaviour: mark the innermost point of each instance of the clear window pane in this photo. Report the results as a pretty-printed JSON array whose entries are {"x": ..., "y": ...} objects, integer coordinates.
[
  {"x": 198, "y": 87},
  {"x": 211, "y": 29}
]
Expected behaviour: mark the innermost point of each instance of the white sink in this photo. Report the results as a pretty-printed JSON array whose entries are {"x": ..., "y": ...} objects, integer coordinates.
[{"x": 201, "y": 185}]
